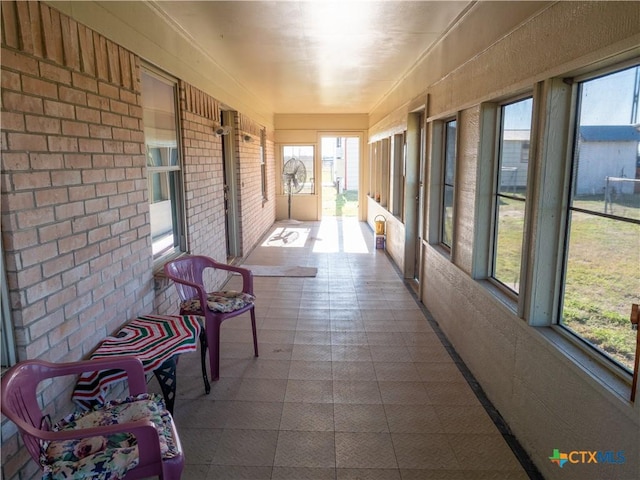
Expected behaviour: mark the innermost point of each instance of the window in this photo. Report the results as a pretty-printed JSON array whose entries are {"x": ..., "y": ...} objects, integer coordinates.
[
  {"x": 298, "y": 168},
  {"x": 159, "y": 104},
  {"x": 399, "y": 156},
  {"x": 510, "y": 192},
  {"x": 446, "y": 233},
  {"x": 602, "y": 250},
  {"x": 263, "y": 163}
]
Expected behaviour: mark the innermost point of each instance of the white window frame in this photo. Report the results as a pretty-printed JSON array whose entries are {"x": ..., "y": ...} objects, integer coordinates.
[
  {"x": 552, "y": 139},
  {"x": 583, "y": 344},
  {"x": 497, "y": 195},
  {"x": 180, "y": 229},
  {"x": 444, "y": 183}
]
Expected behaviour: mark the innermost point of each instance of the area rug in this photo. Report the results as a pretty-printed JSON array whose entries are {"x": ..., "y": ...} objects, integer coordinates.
[{"x": 281, "y": 271}]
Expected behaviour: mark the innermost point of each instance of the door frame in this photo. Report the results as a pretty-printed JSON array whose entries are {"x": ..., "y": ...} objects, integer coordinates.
[
  {"x": 234, "y": 249},
  {"x": 362, "y": 197}
]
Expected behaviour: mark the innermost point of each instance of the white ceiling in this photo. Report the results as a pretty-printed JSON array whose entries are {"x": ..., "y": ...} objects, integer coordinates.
[{"x": 314, "y": 56}]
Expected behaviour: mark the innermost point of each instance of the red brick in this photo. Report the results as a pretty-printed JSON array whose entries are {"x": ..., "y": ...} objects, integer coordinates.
[
  {"x": 85, "y": 254},
  {"x": 10, "y": 80},
  {"x": 45, "y": 161},
  {"x": 72, "y": 95},
  {"x": 59, "y": 299},
  {"x": 65, "y": 177},
  {"x": 82, "y": 192},
  {"x": 23, "y": 181},
  {"x": 133, "y": 148},
  {"x": 76, "y": 274},
  {"x": 42, "y": 289},
  {"x": 51, "y": 233},
  {"x": 17, "y": 61},
  {"x": 119, "y": 107},
  {"x": 89, "y": 115},
  {"x": 73, "y": 243},
  {"x": 62, "y": 144},
  {"x": 76, "y": 306},
  {"x": 113, "y": 147},
  {"x": 80, "y": 160},
  {"x": 39, "y": 87},
  {"x": 116, "y": 201},
  {"x": 108, "y": 217},
  {"x": 15, "y": 161},
  {"x": 106, "y": 189},
  {"x": 17, "y": 201},
  {"x": 18, "y": 102},
  {"x": 103, "y": 161},
  {"x": 84, "y": 82},
  {"x": 57, "y": 265},
  {"x": 39, "y": 254},
  {"x": 83, "y": 224},
  {"x": 96, "y": 205},
  {"x": 59, "y": 109},
  {"x": 69, "y": 210},
  {"x": 113, "y": 119},
  {"x": 93, "y": 176},
  {"x": 115, "y": 174},
  {"x": 12, "y": 121},
  {"x": 55, "y": 73},
  {"x": 51, "y": 196},
  {"x": 121, "y": 134},
  {"x": 97, "y": 101},
  {"x": 108, "y": 90},
  {"x": 131, "y": 123},
  {"x": 27, "y": 142},
  {"x": 75, "y": 129},
  {"x": 19, "y": 240},
  {"x": 100, "y": 131},
  {"x": 129, "y": 97},
  {"x": 37, "y": 124},
  {"x": 90, "y": 145}
]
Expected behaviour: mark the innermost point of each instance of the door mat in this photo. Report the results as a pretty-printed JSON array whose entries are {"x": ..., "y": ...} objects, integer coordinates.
[{"x": 281, "y": 271}]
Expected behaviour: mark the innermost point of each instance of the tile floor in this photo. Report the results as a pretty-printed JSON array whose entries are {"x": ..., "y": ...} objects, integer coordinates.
[{"x": 352, "y": 381}]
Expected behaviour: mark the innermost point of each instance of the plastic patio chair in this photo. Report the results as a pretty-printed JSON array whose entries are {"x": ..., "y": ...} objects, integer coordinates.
[
  {"x": 187, "y": 274},
  {"x": 20, "y": 405}
]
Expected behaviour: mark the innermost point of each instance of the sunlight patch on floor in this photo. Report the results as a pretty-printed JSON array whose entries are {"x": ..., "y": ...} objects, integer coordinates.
[
  {"x": 340, "y": 235},
  {"x": 288, "y": 236}
]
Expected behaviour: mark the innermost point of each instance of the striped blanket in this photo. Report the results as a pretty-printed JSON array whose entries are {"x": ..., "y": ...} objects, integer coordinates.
[{"x": 152, "y": 338}]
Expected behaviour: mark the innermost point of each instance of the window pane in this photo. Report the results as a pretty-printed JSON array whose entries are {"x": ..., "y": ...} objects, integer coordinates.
[
  {"x": 603, "y": 253},
  {"x": 508, "y": 242},
  {"x": 510, "y": 192},
  {"x": 301, "y": 178},
  {"x": 450, "y": 152},
  {"x": 163, "y": 165},
  {"x": 515, "y": 137},
  {"x": 447, "y": 217},
  {"x": 163, "y": 210},
  {"x": 607, "y": 159},
  {"x": 448, "y": 183},
  {"x": 601, "y": 283}
]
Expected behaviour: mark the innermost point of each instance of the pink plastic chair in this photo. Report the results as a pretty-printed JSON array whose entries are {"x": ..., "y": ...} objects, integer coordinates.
[
  {"x": 20, "y": 405},
  {"x": 187, "y": 273}
]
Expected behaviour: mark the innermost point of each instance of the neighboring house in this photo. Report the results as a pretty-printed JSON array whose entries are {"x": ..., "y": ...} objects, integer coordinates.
[{"x": 605, "y": 151}]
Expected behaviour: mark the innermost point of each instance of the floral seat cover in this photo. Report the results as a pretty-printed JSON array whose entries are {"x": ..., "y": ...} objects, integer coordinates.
[
  {"x": 223, "y": 302},
  {"x": 106, "y": 458}
]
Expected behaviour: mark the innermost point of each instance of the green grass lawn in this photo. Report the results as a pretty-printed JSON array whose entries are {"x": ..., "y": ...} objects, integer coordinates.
[{"x": 602, "y": 277}]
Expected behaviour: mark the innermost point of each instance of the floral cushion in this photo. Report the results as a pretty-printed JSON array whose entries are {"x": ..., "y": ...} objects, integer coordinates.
[
  {"x": 222, "y": 302},
  {"x": 106, "y": 458}
]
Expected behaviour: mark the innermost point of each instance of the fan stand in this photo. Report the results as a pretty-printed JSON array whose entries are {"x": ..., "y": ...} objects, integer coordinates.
[
  {"x": 289, "y": 201},
  {"x": 290, "y": 220}
]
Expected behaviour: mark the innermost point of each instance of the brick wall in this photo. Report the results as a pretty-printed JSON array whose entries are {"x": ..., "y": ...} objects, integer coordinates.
[
  {"x": 203, "y": 179},
  {"x": 75, "y": 219},
  {"x": 257, "y": 214},
  {"x": 75, "y": 213}
]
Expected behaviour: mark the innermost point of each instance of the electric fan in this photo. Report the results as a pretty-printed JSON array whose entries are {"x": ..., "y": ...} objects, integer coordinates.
[{"x": 294, "y": 174}]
